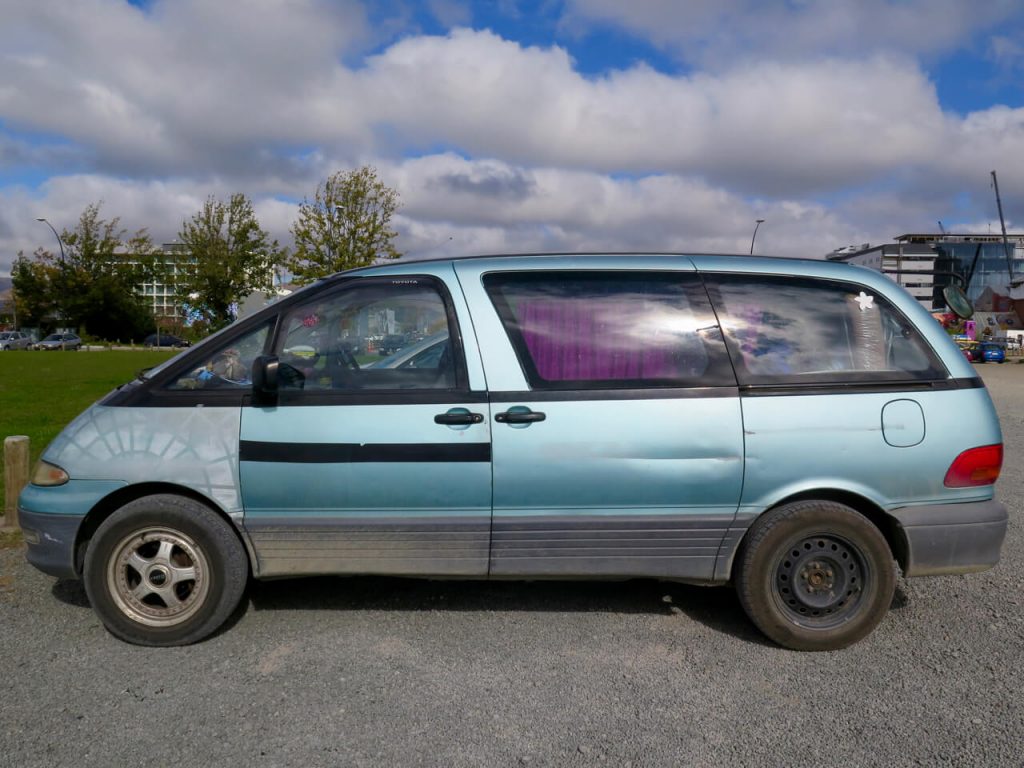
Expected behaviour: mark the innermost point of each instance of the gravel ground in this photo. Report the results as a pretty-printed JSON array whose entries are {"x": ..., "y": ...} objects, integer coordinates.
[{"x": 371, "y": 672}]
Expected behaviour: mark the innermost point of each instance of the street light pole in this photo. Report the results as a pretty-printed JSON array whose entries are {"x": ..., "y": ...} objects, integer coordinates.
[
  {"x": 758, "y": 224},
  {"x": 63, "y": 280}
]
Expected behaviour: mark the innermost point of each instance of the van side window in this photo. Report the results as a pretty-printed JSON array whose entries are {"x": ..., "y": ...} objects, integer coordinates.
[
  {"x": 611, "y": 330},
  {"x": 785, "y": 330},
  {"x": 391, "y": 335},
  {"x": 228, "y": 367}
]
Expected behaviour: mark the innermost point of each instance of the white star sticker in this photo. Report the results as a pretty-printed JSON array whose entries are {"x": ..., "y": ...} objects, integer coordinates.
[{"x": 866, "y": 302}]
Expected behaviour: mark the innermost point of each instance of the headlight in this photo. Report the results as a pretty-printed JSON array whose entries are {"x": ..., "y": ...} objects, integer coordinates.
[{"x": 49, "y": 474}]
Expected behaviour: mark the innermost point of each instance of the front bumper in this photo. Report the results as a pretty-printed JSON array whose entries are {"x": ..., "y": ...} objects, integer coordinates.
[
  {"x": 51, "y": 541},
  {"x": 952, "y": 538},
  {"x": 50, "y": 518}
]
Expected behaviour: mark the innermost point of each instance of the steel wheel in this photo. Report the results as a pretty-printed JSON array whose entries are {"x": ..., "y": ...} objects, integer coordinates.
[
  {"x": 158, "y": 577},
  {"x": 815, "y": 575},
  {"x": 820, "y": 580}
]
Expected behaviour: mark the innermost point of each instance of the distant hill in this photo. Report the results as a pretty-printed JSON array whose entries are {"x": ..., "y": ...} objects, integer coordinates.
[{"x": 5, "y": 284}]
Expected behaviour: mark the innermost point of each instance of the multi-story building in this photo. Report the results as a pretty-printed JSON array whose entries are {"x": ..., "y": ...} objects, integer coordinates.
[
  {"x": 160, "y": 295},
  {"x": 989, "y": 272}
]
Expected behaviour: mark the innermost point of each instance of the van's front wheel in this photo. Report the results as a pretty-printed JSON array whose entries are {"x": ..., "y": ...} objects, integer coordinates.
[
  {"x": 164, "y": 570},
  {"x": 815, "y": 576}
]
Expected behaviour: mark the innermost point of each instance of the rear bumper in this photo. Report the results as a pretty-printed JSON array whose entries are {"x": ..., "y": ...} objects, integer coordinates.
[{"x": 952, "y": 538}]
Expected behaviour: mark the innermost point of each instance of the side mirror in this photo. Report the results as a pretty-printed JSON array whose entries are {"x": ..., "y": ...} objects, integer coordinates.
[{"x": 265, "y": 373}]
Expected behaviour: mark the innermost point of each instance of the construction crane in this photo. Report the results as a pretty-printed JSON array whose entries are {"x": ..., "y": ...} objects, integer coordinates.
[{"x": 1002, "y": 223}]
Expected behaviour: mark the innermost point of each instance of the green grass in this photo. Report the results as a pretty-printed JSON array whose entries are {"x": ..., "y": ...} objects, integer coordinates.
[{"x": 40, "y": 392}]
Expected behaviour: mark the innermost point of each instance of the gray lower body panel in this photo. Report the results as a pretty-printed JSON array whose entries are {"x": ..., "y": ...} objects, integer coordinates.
[
  {"x": 408, "y": 546},
  {"x": 615, "y": 546},
  {"x": 520, "y": 547},
  {"x": 51, "y": 541},
  {"x": 952, "y": 538}
]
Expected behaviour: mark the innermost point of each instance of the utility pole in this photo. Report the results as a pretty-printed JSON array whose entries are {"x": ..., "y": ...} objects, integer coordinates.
[{"x": 64, "y": 281}]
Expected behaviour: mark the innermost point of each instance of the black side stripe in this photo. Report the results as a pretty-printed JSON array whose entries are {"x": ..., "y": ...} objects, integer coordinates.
[{"x": 354, "y": 453}]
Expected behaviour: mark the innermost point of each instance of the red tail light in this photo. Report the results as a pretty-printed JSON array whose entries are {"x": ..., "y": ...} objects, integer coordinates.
[{"x": 976, "y": 466}]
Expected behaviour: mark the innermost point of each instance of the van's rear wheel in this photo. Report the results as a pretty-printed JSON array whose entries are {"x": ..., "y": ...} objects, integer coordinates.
[
  {"x": 165, "y": 570},
  {"x": 815, "y": 576}
]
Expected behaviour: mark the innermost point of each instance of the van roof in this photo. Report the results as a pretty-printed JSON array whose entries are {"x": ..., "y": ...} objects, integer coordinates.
[{"x": 402, "y": 263}]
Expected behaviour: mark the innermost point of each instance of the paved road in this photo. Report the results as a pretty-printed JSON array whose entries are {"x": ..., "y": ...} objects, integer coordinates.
[{"x": 373, "y": 672}]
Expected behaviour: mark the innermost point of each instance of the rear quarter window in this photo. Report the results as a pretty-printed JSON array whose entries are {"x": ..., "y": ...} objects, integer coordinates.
[{"x": 784, "y": 330}]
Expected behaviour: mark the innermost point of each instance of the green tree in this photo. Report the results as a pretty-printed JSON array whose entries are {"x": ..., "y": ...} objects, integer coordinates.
[
  {"x": 104, "y": 268},
  {"x": 346, "y": 225},
  {"x": 231, "y": 256},
  {"x": 95, "y": 286},
  {"x": 34, "y": 280}
]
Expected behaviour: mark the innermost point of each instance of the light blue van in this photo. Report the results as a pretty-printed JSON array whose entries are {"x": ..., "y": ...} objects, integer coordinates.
[{"x": 795, "y": 428}]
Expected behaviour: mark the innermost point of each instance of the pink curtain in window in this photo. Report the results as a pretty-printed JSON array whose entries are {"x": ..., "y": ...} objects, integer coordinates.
[{"x": 590, "y": 339}]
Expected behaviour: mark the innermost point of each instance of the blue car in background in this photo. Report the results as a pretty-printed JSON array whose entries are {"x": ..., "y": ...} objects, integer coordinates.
[{"x": 993, "y": 352}]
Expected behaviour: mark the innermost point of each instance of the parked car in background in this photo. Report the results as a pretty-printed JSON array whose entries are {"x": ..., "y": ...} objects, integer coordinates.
[
  {"x": 992, "y": 352},
  {"x": 426, "y": 353},
  {"x": 165, "y": 340},
  {"x": 14, "y": 340},
  {"x": 391, "y": 344},
  {"x": 65, "y": 341}
]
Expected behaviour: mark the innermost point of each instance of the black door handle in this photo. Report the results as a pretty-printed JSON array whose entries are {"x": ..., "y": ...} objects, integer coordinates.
[
  {"x": 519, "y": 417},
  {"x": 458, "y": 418}
]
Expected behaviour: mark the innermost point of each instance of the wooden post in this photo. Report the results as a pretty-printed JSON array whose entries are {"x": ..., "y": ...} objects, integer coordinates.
[{"x": 15, "y": 475}]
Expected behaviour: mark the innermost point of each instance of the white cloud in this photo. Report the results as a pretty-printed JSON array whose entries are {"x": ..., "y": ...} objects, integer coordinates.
[
  {"x": 773, "y": 128},
  {"x": 453, "y": 206},
  {"x": 450, "y": 13},
  {"x": 1007, "y": 52},
  {"x": 718, "y": 33},
  {"x": 488, "y": 206},
  {"x": 163, "y": 108},
  {"x": 187, "y": 85}
]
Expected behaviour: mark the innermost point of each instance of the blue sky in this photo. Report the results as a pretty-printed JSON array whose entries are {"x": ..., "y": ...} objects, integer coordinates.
[{"x": 520, "y": 125}]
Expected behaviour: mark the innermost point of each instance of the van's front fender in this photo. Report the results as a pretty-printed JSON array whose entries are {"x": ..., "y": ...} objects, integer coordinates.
[{"x": 50, "y": 518}]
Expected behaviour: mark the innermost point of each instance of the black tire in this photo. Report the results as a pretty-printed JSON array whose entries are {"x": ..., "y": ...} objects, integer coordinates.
[
  {"x": 815, "y": 576},
  {"x": 165, "y": 570}
]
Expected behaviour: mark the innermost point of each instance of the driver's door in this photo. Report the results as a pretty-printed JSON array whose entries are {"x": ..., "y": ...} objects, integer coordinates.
[{"x": 361, "y": 466}]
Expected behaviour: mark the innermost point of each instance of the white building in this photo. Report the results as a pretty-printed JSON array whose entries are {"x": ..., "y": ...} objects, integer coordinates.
[{"x": 924, "y": 264}]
